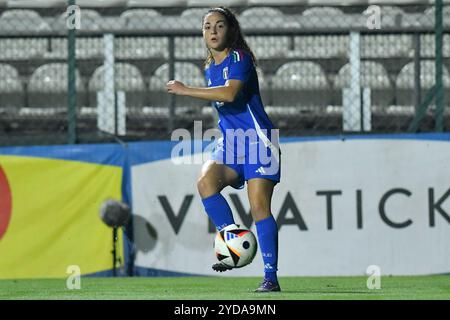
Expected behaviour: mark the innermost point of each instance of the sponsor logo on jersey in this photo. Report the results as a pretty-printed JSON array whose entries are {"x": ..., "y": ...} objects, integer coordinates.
[{"x": 261, "y": 170}]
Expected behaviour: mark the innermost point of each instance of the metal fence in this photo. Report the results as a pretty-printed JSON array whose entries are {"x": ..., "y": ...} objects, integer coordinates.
[{"x": 71, "y": 75}]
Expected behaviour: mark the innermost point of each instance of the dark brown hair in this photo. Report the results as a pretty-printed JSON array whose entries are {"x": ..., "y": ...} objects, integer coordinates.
[{"x": 235, "y": 39}]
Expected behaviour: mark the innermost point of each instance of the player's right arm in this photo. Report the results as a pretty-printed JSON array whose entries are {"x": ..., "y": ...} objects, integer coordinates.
[{"x": 225, "y": 93}]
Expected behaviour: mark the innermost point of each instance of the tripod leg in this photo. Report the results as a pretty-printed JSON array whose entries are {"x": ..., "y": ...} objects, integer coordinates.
[{"x": 114, "y": 252}]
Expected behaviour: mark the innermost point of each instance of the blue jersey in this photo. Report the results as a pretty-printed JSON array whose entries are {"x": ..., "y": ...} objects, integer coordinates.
[
  {"x": 247, "y": 111},
  {"x": 254, "y": 152}
]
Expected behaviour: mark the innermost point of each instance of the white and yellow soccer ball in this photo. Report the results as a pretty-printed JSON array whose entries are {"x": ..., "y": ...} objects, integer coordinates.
[{"x": 235, "y": 246}]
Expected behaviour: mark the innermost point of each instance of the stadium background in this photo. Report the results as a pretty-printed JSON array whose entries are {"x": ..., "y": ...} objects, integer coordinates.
[{"x": 84, "y": 116}]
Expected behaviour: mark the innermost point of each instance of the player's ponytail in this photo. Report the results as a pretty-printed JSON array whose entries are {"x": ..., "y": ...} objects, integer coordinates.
[{"x": 235, "y": 38}]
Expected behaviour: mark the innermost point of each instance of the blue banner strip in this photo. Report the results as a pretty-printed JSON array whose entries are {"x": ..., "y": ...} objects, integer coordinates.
[
  {"x": 106, "y": 154},
  {"x": 136, "y": 153}
]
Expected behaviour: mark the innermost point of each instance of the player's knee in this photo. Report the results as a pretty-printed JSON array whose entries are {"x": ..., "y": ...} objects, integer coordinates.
[
  {"x": 206, "y": 187},
  {"x": 201, "y": 185}
]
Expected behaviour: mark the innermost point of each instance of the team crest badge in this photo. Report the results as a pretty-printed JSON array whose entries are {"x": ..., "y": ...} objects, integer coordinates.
[{"x": 225, "y": 73}]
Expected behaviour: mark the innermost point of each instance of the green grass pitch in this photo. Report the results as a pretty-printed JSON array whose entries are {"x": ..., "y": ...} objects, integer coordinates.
[{"x": 225, "y": 288}]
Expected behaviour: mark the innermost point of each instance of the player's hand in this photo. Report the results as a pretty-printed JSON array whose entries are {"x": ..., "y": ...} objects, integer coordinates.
[{"x": 176, "y": 87}]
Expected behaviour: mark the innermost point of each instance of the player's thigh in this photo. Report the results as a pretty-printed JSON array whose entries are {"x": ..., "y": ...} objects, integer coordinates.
[
  {"x": 260, "y": 192},
  {"x": 214, "y": 177}
]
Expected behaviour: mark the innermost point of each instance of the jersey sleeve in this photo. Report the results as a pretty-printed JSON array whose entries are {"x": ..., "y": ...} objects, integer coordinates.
[{"x": 241, "y": 66}]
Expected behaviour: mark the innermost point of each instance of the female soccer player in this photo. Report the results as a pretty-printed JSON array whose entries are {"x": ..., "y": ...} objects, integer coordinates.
[{"x": 249, "y": 149}]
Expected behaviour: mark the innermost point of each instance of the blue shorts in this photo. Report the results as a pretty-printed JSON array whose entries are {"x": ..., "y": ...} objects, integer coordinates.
[{"x": 260, "y": 161}]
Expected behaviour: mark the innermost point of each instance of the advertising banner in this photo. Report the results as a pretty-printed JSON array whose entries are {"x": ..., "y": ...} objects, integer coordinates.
[
  {"x": 49, "y": 209},
  {"x": 343, "y": 204}
]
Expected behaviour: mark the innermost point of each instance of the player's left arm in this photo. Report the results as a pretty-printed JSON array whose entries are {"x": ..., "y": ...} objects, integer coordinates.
[{"x": 225, "y": 93}]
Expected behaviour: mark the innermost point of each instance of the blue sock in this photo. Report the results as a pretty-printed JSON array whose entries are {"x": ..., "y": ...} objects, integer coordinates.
[
  {"x": 268, "y": 241},
  {"x": 218, "y": 211}
]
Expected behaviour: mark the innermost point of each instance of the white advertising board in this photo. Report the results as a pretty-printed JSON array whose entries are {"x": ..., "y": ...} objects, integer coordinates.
[{"x": 341, "y": 206}]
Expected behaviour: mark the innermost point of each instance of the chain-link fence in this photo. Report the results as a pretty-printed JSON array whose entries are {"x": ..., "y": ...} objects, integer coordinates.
[{"x": 322, "y": 70}]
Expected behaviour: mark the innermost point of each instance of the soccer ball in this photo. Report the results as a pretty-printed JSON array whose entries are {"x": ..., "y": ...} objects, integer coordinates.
[{"x": 235, "y": 246}]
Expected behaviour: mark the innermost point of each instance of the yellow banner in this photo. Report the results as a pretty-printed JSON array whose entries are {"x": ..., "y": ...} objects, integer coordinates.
[{"x": 54, "y": 220}]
